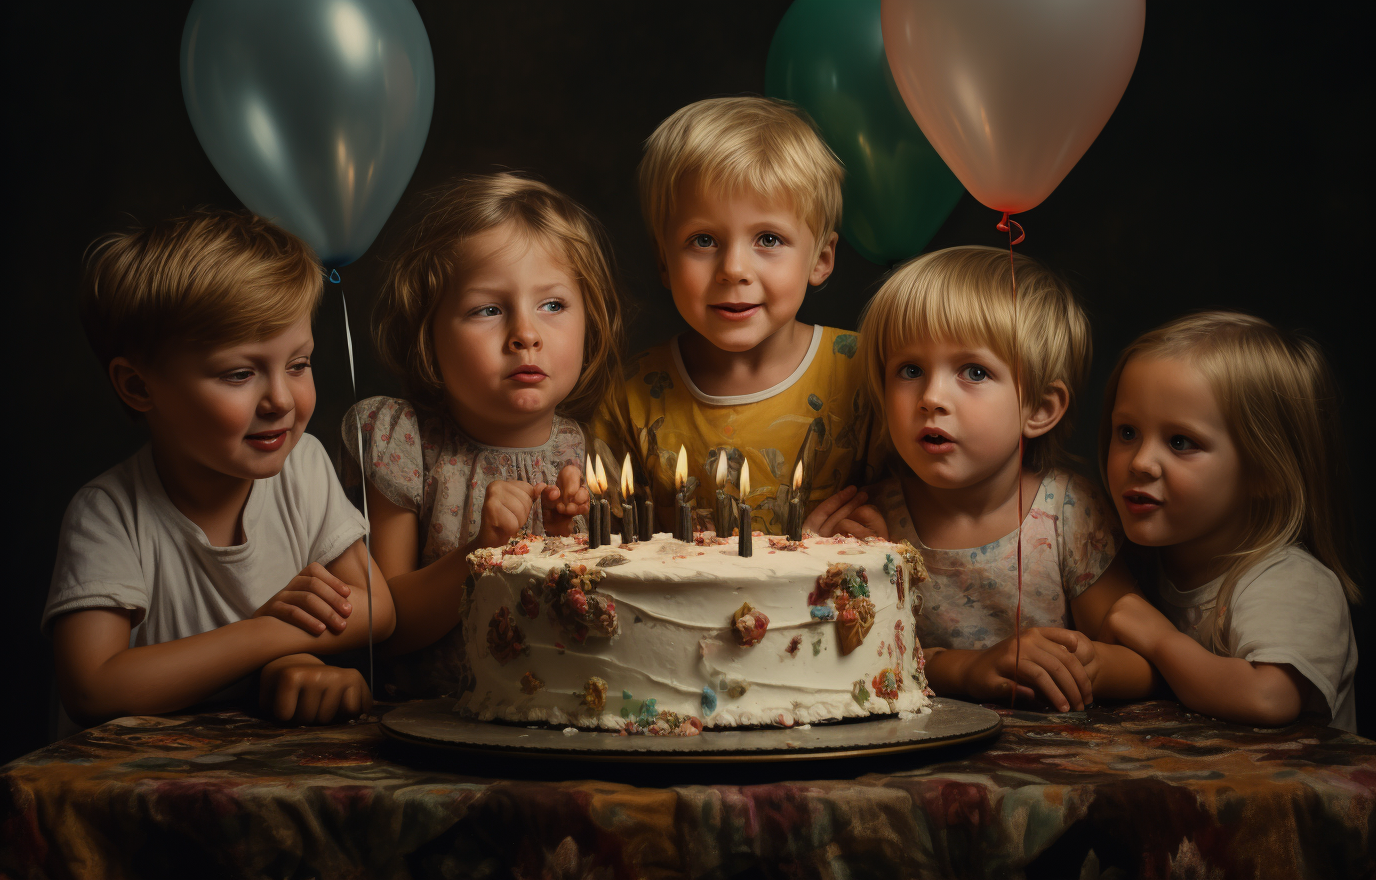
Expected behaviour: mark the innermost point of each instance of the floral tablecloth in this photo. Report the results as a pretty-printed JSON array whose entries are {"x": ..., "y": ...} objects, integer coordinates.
[{"x": 1139, "y": 790}]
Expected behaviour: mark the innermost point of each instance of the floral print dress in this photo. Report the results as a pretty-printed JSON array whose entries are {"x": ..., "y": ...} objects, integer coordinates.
[
  {"x": 1069, "y": 537},
  {"x": 424, "y": 463}
]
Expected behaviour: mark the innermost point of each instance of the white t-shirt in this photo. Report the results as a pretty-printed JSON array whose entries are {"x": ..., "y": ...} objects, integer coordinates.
[
  {"x": 1288, "y": 608},
  {"x": 125, "y": 545}
]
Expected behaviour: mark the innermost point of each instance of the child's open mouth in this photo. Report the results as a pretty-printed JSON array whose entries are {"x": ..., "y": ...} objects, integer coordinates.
[
  {"x": 1141, "y": 502},
  {"x": 267, "y": 441},
  {"x": 529, "y": 373},
  {"x": 736, "y": 311},
  {"x": 936, "y": 442}
]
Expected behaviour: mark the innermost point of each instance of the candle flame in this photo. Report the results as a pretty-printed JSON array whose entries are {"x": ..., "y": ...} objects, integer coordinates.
[
  {"x": 591, "y": 477},
  {"x": 601, "y": 477},
  {"x": 798, "y": 477},
  {"x": 721, "y": 468},
  {"x": 745, "y": 480},
  {"x": 681, "y": 468},
  {"x": 627, "y": 479}
]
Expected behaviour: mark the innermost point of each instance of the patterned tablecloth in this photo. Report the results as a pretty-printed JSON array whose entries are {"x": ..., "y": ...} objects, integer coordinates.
[{"x": 1139, "y": 790}]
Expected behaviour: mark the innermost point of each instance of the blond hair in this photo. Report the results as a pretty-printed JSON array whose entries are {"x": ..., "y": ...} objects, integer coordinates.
[
  {"x": 207, "y": 279},
  {"x": 762, "y": 146},
  {"x": 1280, "y": 404},
  {"x": 434, "y": 255},
  {"x": 965, "y": 294}
]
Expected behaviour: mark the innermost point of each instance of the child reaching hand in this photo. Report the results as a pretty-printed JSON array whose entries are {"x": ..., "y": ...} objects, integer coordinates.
[
  {"x": 742, "y": 197},
  {"x": 1220, "y": 447},
  {"x": 226, "y": 545},
  {"x": 500, "y": 314},
  {"x": 975, "y": 395}
]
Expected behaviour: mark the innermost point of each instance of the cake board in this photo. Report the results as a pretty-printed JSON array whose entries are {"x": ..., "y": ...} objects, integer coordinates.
[{"x": 435, "y": 724}]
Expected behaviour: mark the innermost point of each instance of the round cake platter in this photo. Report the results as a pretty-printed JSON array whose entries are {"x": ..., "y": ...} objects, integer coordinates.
[{"x": 435, "y": 724}]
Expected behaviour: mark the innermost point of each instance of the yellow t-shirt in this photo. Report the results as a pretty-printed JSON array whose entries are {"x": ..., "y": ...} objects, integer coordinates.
[{"x": 818, "y": 415}]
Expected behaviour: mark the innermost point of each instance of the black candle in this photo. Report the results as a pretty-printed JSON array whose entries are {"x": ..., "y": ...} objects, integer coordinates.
[
  {"x": 647, "y": 519},
  {"x": 630, "y": 532}
]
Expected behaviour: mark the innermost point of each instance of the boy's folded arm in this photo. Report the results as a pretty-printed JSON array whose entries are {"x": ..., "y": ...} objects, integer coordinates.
[{"x": 100, "y": 677}]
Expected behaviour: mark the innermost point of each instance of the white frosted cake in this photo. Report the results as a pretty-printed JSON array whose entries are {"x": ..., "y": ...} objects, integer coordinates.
[{"x": 664, "y": 636}]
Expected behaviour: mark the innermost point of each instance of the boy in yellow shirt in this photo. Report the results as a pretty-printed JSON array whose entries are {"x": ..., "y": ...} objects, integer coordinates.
[{"x": 742, "y": 198}]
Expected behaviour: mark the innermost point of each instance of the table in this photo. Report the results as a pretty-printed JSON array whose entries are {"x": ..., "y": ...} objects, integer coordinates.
[{"x": 1144, "y": 789}]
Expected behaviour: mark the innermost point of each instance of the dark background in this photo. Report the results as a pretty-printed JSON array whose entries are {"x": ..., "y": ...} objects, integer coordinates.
[{"x": 1230, "y": 175}]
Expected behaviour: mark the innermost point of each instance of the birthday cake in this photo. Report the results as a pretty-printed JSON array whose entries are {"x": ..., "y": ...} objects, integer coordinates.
[{"x": 667, "y": 636}]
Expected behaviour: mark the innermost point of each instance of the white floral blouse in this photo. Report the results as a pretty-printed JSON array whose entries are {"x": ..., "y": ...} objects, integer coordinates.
[{"x": 1069, "y": 537}]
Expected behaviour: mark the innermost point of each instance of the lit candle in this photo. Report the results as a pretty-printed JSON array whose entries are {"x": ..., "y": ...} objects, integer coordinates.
[
  {"x": 743, "y": 546},
  {"x": 723, "y": 518},
  {"x": 594, "y": 510},
  {"x": 602, "y": 486},
  {"x": 629, "y": 532},
  {"x": 683, "y": 519},
  {"x": 795, "y": 506}
]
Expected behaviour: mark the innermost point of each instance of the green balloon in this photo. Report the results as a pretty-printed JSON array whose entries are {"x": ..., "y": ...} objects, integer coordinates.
[{"x": 827, "y": 56}]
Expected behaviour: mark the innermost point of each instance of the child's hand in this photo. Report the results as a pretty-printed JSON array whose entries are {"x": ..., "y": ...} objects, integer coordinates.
[
  {"x": 846, "y": 513},
  {"x": 314, "y": 600},
  {"x": 1050, "y": 661},
  {"x": 563, "y": 502},
  {"x": 505, "y": 510},
  {"x": 302, "y": 689},
  {"x": 1134, "y": 623}
]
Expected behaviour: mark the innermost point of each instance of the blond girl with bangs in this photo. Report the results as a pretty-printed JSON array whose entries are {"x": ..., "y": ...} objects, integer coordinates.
[
  {"x": 1220, "y": 446},
  {"x": 500, "y": 314},
  {"x": 975, "y": 392}
]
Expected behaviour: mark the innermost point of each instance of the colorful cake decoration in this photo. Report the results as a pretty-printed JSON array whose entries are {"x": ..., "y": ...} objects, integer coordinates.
[
  {"x": 750, "y": 625},
  {"x": 505, "y": 641},
  {"x": 530, "y": 684}
]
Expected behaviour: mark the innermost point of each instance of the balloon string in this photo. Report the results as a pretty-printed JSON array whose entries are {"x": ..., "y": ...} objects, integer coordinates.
[
  {"x": 363, "y": 473},
  {"x": 1006, "y": 225}
]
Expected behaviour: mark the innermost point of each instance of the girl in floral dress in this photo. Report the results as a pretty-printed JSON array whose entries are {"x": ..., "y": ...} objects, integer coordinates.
[
  {"x": 975, "y": 392},
  {"x": 501, "y": 315}
]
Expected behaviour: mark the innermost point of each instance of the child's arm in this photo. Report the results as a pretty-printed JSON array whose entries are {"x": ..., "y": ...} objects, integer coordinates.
[
  {"x": 1116, "y": 672},
  {"x": 99, "y": 676},
  {"x": 429, "y": 600},
  {"x": 1230, "y": 688}
]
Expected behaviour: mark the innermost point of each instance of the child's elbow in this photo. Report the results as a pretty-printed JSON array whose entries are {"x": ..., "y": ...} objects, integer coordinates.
[{"x": 1277, "y": 700}]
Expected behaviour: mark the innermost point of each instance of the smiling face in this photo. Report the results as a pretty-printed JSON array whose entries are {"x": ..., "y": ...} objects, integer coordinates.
[
  {"x": 236, "y": 411},
  {"x": 509, "y": 338},
  {"x": 1172, "y": 468},
  {"x": 739, "y": 265},
  {"x": 952, "y": 412}
]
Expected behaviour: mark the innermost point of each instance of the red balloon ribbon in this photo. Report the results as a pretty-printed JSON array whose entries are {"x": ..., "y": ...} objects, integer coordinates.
[
  {"x": 1003, "y": 226},
  {"x": 1006, "y": 225}
]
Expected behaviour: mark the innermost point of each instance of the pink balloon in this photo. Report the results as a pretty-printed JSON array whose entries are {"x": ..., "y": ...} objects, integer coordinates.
[{"x": 1012, "y": 92}]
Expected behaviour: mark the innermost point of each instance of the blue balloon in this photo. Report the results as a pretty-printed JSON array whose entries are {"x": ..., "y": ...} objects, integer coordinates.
[{"x": 313, "y": 111}]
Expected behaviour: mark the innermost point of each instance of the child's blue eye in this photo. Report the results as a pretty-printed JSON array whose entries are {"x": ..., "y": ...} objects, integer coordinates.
[
  {"x": 1181, "y": 443},
  {"x": 487, "y": 312},
  {"x": 1127, "y": 433},
  {"x": 909, "y": 371},
  {"x": 553, "y": 306},
  {"x": 770, "y": 240},
  {"x": 703, "y": 241},
  {"x": 974, "y": 373}
]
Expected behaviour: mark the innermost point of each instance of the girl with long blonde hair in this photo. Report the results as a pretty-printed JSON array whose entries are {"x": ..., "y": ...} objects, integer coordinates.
[{"x": 1220, "y": 445}]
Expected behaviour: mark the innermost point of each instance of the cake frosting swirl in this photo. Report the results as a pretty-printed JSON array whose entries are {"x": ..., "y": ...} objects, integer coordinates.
[{"x": 667, "y": 636}]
